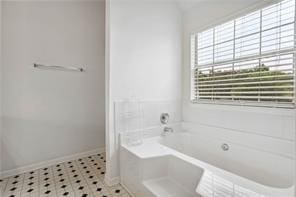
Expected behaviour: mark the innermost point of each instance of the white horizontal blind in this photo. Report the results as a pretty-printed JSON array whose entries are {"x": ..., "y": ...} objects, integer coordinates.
[{"x": 247, "y": 60}]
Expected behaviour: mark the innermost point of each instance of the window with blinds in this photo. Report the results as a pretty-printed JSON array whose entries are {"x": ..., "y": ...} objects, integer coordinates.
[{"x": 249, "y": 60}]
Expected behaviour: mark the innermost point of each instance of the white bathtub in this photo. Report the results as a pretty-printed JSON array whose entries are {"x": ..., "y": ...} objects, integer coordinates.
[{"x": 238, "y": 172}]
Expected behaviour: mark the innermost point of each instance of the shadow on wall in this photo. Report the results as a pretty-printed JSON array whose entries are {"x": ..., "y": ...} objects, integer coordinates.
[{"x": 26, "y": 142}]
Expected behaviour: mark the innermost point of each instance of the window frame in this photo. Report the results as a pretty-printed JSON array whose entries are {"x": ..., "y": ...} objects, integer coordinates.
[{"x": 194, "y": 65}]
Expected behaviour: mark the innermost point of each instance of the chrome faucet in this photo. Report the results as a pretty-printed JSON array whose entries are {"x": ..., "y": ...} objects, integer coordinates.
[
  {"x": 167, "y": 130},
  {"x": 164, "y": 119}
]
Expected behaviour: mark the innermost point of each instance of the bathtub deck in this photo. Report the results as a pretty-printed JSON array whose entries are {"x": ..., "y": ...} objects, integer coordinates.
[{"x": 152, "y": 148}]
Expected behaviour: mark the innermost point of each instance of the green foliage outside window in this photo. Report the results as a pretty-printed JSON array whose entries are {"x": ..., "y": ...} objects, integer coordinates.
[{"x": 253, "y": 84}]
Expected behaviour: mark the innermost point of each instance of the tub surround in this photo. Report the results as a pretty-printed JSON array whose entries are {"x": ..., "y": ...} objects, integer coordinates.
[
  {"x": 143, "y": 60},
  {"x": 147, "y": 170}
]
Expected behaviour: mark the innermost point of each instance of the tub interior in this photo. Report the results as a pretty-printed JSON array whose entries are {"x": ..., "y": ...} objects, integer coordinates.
[{"x": 261, "y": 167}]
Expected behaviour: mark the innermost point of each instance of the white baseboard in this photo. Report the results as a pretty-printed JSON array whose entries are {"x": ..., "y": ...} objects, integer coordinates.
[
  {"x": 43, "y": 164},
  {"x": 112, "y": 181},
  {"x": 127, "y": 189}
]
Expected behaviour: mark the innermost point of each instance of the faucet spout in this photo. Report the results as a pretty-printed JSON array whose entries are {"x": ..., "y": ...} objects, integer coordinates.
[{"x": 167, "y": 130}]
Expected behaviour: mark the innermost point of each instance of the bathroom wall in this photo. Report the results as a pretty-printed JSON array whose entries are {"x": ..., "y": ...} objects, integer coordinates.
[
  {"x": 263, "y": 129},
  {"x": 0, "y": 87},
  {"x": 49, "y": 114},
  {"x": 132, "y": 116},
  {"x": 143, "y": 60}
]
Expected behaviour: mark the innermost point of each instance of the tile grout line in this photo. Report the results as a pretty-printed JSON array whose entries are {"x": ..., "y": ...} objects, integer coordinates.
[
  {"x": 54, "y": 183},
  {"x": 86, "y": 179},
  {"x": 68, "y": 173},
  {"x": 48, "y": 180}
]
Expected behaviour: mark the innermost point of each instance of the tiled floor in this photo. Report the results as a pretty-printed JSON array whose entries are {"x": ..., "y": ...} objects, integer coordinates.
[{"x": 79, "y": 178}]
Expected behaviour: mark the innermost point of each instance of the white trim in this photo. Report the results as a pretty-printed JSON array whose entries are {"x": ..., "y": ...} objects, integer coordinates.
[
  {"x": 111, "y": 181},
  {"x": 243, "y": 97},
  {"x": 288, "y": 106},
  {"x": 43, "y": 164},
  {"x": 127, "y": 189}
]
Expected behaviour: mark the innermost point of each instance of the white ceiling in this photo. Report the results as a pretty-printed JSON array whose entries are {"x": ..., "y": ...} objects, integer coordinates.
[{"x": 187, "y": 4}]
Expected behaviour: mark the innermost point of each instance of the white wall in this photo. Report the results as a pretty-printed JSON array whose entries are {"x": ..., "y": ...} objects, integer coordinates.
[
  {"x": 144, "y": 60},
  {"x": 264, "y": 129},
  {"x": 0, "y": 86},
  {"x": 49, "y": 113}
]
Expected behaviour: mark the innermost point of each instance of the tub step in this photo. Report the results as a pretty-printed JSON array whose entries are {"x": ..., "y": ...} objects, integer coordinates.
[{"x": 164, "y": 187}]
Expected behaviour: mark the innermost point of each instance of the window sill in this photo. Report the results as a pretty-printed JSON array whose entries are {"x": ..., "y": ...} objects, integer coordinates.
[{"x": 246, "y": 104}]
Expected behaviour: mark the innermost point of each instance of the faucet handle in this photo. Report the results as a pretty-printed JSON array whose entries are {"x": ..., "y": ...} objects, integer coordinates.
[
  {"x": 164, "y": 118},
  {"x": 168, "y": 129}
]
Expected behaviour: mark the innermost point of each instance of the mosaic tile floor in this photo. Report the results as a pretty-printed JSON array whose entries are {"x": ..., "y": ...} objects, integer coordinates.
[{"x": 78, "y": 178}]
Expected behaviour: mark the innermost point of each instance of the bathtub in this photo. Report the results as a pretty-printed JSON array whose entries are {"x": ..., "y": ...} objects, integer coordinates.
[{"x": 188, "y": 163}]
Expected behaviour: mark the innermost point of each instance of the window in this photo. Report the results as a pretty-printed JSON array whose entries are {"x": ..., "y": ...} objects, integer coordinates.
[{"x": 249, "y": 60}]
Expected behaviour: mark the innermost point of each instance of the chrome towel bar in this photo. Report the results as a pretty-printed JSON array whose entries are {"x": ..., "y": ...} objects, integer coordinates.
[{"x": 58, "y": 67}]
